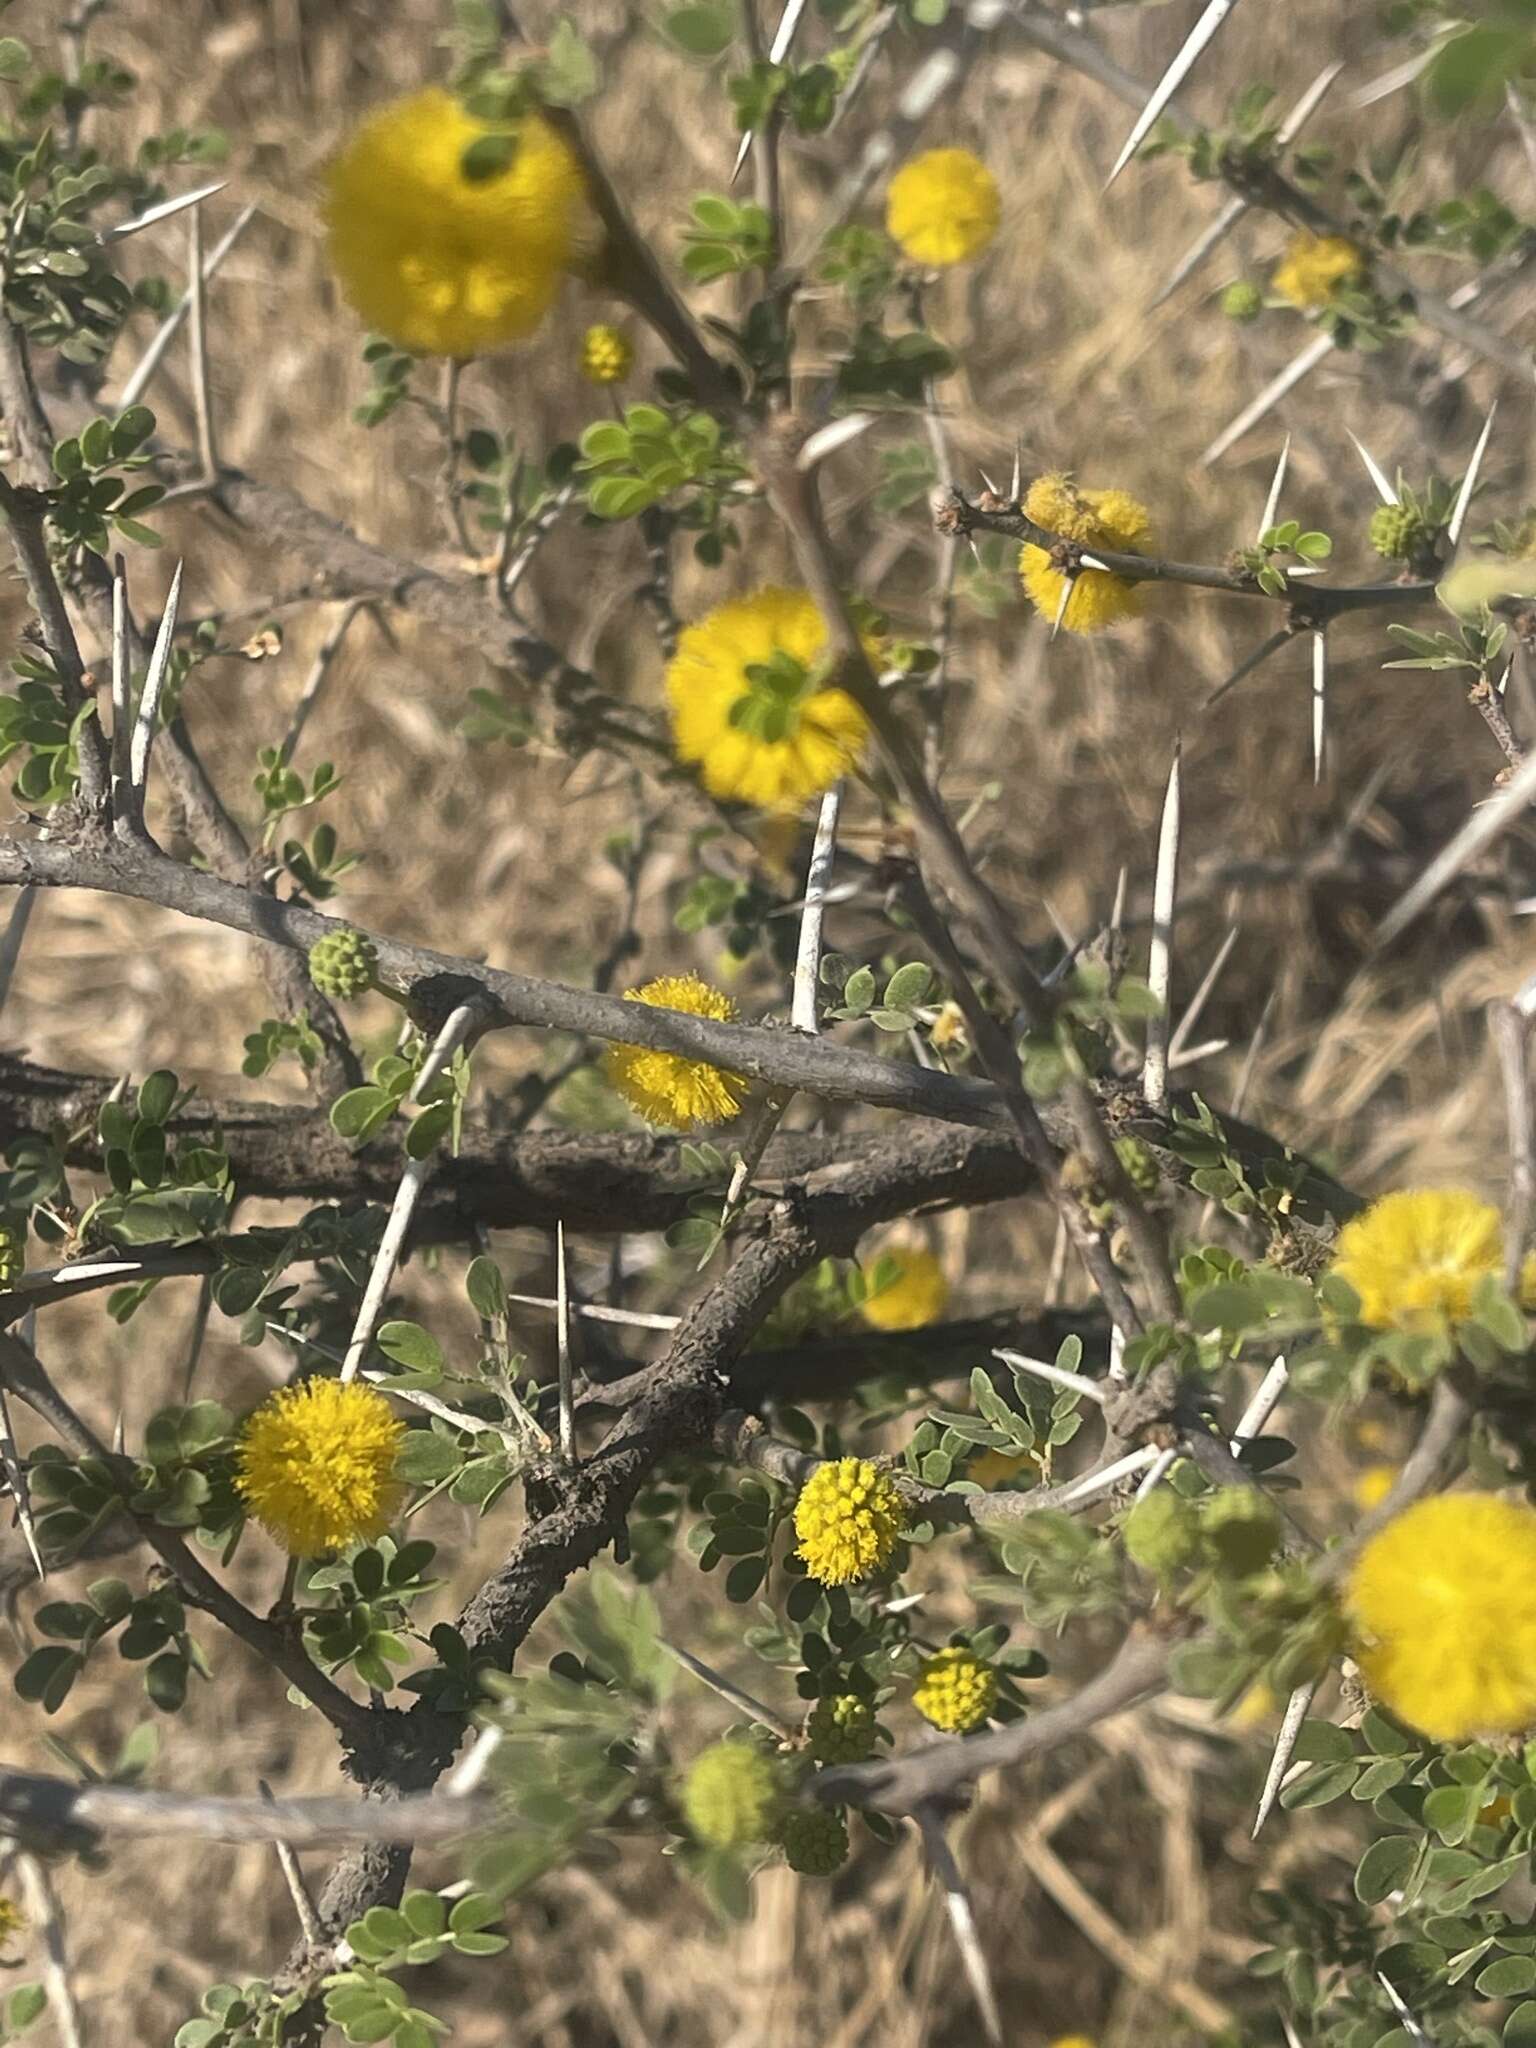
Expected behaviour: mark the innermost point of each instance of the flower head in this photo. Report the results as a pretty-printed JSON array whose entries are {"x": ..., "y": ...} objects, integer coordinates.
[
  {"x": 1372, "y": 1486},
  {"x": 343, "y": 964},
  {"x": 841, "y": 1729},
  {"x": 814, "y": 1840},
  {"x": 1094, "y": 519},
  {"x": 13, "y": 1922},
  {"x": 1313, "y": 268},
  {"x": 665, "y": 1087},
  {"x": 943, "y": 207},
  {"x": 450, "y": 235},
  {"x": 751, "y": 706},
  {"x": 731, "y": 1795},
  {"x": 914, "y": 1294},
  {"x": 316, "y": 1464},
  {"x": 1415, "y": 1258},
  {"x": 848, "y": 1518},
  {"x": 956, "y": 1691},
  {"x": 1442, "y": 1604},
  {"x": 607, "y": 355}
]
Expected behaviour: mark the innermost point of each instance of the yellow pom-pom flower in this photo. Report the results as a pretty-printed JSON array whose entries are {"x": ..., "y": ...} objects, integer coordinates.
[
  {"x": 914, "y": 1294},
  {"x": 1442, "y": 1604},
  {"x": 1095, "y": 519},
  {"x": 448, "y": 260},
  {"x": 731, "y": 1796},
  {"x": 665, "y": 1087},
  {"x": 1372, "y": 1486},
  {"x": 1001, "y": 1468},
  {"x": 956, "y": 1691},
  {"x": 316, "y": 1465},
  {"x": 1313, "y": 268},
  {"x": 607, "y": 356},
  {"x": 13, "y": 1922},
  {"x": 1415, "y": 1258},
  {"x": 750, "y": 704},
  {"x": 1073, "y": 2041},
  {"x": 943, "y": 207},
  {"x": 848, "y": 1518}
]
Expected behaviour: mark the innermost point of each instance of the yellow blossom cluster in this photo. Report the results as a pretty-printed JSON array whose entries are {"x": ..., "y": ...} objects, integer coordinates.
[
  {"x": 914, "y": 1293},
  {"x": 956, "y": 1691},
  {"x": 316, "y": 1465},
  {"x": 1110, "y": 519},
  {"x": 848, "y": 1518},
  {"x": 666, "y": 1088},
  {"x": 1442, "y": 1605},
  {"x": 449, "y": 235},
  {"x": 751, "y": 705},
  {"x": 943, "y": 208},
  {"x": 1313, "y": 268},
  {"x": 1415, "y": 1258}
]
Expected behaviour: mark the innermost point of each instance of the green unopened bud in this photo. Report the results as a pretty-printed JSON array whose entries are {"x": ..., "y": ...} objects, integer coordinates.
[
  {"x": 1398, "y": 532},
  {"x": 1241, "y": 1530},
  {"x": 731, "y": 1796},
  {"x": 841, "y": 1729},
  {"x": 343, "y": 964},
  {"x": 814, "y": 1840},
  {"x": 1242, "y": 302},
  {"x": 1161, "y": 1533},
  {"x": 1139, "y": 1166}
]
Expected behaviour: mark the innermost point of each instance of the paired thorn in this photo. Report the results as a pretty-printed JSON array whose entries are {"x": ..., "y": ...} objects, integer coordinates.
[
  {"x": 153, "y": 215},
  {"x": 1055, "y": 1375},
  {"x": 1276, "y": 389},
  {"x": 1319, "y": 704},
  {"x": 783, "y": 37},
  {"x": 1469, "y": 481},
  {"x": 1200, "y": 35},
  {"x": 1068, "y": 585},
  {"x": 1297, "y": 1708},
  {"x": 1487, "y": 821},
  {"x": 563, "y": 1348},
  {"x": 1272, "y": 502}
]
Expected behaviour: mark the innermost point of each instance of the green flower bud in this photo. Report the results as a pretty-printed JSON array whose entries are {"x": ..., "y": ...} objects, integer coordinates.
[
  {"x": 814, "y": 1840},
  {"x": 343, "y": 964},
  {"x": 1139, "y": 1165},
  {"x": 1241, "y": 1529},
  {"x": 1161, "y": 1533},
  {"x": 731, "y": 1796},
  {"x": 1398, "y": 532},
  {"x": 841, "y": 1729},
  {"x": 1242, "y": 301}
]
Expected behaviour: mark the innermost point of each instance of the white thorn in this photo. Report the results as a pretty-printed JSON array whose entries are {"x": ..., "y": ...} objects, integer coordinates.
[
  {"x": 1017, "y": 484},
  {"x": 1068, "y": 584},
  {"x": 154, "y": 684},
  {"x": 1296, "y": 1710},
  {"x": 783, "y": 36},
  {"x": 802, "y": 1014},
  {"x": 154, "y": 214},
  {"x": 1319, "y": 703},
  {"x": 1269, "y": 397},
  {"x": 1156, "y": 1474},
  {"x": 1264, "y": 1403},
  {"x": 563, "y": 1348},
  {"x": 1165, "y": 897},
  {"x": 1469, "y": 481},
  {"x": 1272, "y": 502},
  {"x": 1384, "y": 490},
  {"x": 1204, "y": 29},
  {"x": 1201, "y": 996},
  {"x": 837, "y": 434},
  {"x": 1394, "y": 80},
  {"x": 1056, "y": 1375},
  {"x": 1487, "y": 821}
]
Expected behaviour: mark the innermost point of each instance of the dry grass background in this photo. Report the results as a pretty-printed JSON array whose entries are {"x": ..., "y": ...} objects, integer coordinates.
[{"x": 1111, "y": 1884}]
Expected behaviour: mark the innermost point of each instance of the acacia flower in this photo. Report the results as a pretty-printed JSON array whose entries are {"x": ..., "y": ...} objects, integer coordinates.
[
  {"x": 448, "y": 234},
  {"x": 1372, "y": 1486},
  {"x": 814, "y": 1840},
  {"x": 1313, "y": 268},
  {"x": 841, "y": 1729},
  {"x": 955, "y": 1691},
  {"x": 607, "y": 355},
  {"x": 915, "y": 1293},
  {"x": 667, "y": 1088},
  {"x": 13, "y": 1922},
  {"x": 848, "y": 1518},
  {"x": 1094, "y": 519},
  {"x": 316, "y": 1463},
  {"x": 751, "y": 705},
  {"x": 1415, "y": 1258},
  {"x": 1442, "y": 1604},
  {"x": 731, "y": 1795},
  {"x": 943, "y": 207}
]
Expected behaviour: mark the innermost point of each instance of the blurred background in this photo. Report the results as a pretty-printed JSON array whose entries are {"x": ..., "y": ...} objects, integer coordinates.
[{"x": 1112, "y": 1883}]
